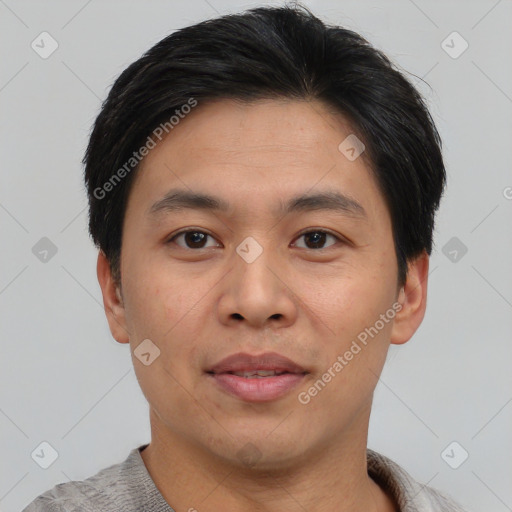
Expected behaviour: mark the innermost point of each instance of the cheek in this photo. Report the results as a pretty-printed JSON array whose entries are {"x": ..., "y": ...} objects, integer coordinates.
[
  {"x": 154, "y": 296},
  {"x": 355, "y": 346},
  {"x": 352, "y": 310},
  {"x": 167, "y": 311},
  {"x": 348, "y": 304},
  {"x": 165, "y": 315}
]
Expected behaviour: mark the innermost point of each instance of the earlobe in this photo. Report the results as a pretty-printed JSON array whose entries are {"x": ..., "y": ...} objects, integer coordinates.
[
  {"x": 112, "y": 300},
  {"x": 413, "y": 300}
]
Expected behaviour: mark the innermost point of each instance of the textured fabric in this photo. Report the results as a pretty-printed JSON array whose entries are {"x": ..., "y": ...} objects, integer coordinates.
[
  {"x": 128, "y": 487},
  {"x": 123, "y": 487},
  {"x": 410, "y": 495}
]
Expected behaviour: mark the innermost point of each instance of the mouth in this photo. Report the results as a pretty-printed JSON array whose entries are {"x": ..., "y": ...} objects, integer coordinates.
[
  {"x": 258, "y": 378},
  {"x": 254, "y": 374}
]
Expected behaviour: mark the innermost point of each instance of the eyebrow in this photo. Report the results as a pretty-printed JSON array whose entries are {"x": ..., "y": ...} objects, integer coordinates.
[{"x": 329, "y": 200}]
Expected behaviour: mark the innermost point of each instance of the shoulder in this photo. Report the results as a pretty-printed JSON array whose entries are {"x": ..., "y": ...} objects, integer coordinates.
[
  {"x": 410, "y": 495},
  {"x": 109, "y": 489},
  {"x": 68, "y": 497}
]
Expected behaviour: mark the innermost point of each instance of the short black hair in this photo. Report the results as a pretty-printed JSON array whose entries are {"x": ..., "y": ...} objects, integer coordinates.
[{"x": 271, "y": 53}]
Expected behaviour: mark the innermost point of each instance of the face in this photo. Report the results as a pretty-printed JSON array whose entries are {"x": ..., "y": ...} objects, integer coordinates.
[{"x": 304, "y": 279}]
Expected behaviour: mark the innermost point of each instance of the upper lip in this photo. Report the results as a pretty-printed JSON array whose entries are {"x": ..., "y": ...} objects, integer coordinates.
[{"x": 246, "y": 362}]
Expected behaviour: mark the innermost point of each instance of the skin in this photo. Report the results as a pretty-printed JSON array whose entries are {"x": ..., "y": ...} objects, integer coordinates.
[{"x": 199, "y": 305}]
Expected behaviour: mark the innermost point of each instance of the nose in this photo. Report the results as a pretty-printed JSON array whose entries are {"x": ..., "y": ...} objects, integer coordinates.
[{"x": 257, "y": 290}]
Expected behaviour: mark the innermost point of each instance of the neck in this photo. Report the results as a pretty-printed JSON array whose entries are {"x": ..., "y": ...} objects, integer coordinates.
[{"x": 334, "y": 477}]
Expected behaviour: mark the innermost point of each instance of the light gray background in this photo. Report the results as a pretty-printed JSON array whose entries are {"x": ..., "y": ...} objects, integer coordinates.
[{"x": 64, "y": 380}]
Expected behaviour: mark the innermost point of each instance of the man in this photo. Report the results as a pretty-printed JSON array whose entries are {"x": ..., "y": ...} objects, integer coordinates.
[{"x": 262, "y": 190}]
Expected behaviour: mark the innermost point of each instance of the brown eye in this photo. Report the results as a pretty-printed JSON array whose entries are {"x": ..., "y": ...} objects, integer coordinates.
[
  {"x": 317, "y": 239},
  {"x": 193, "y": 239}
]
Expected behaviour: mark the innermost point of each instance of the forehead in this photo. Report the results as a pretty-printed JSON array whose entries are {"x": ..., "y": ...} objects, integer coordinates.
[
  {"x": 251, "y": 151},
  {"x": 278, "y": 126}
]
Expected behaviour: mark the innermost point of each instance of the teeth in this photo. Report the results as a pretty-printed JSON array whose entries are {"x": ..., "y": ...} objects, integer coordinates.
[{"x": 257, "y": 374}]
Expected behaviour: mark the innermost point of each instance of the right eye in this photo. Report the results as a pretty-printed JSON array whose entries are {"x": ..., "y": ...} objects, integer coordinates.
[{"x": 192, "y": 238}]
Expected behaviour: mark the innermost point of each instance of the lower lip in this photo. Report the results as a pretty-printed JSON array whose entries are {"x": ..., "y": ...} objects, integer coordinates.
[{"x": 258, "y": 389}]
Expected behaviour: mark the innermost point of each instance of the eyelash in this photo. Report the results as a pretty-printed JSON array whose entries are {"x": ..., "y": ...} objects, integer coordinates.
[{"x": 327, "y": 232}]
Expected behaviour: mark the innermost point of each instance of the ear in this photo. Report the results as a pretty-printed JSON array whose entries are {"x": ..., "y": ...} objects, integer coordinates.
[
  {"x": 112, "y": 300},
  {"x": 413, "y": 298}
]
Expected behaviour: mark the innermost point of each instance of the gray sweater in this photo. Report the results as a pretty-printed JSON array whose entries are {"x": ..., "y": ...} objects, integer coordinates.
[{"x": 128, "y": 487}]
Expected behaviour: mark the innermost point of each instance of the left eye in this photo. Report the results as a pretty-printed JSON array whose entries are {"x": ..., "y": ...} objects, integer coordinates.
[
  {"x": 318, "y": 237},
  {"x": 196, "y": 239}
]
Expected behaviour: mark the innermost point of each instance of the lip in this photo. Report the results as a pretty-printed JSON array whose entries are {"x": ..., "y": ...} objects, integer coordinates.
[
  {"x": 246, "y": 362},
  {"x": 257, "y": 389}
]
